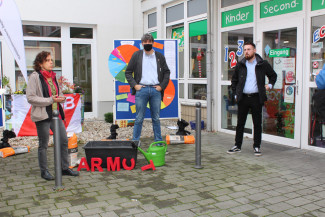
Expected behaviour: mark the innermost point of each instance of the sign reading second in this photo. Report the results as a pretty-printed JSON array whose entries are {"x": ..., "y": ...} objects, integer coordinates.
[{"x": 277, "y": 7}]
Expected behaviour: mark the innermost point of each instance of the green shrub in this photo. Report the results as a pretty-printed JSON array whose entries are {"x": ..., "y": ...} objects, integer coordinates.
[{"x": 109, "y": 117}]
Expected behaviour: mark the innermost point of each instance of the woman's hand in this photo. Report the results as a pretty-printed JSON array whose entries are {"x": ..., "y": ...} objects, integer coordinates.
[{"x": 58, "y": 99}]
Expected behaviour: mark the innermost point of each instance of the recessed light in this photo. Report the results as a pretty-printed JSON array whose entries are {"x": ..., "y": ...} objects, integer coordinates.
[{"x": 286, "y": 42}]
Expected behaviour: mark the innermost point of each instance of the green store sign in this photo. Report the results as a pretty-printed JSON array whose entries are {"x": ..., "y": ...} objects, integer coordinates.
[
  {"x": 317, "y": 5},
  {"x": 237, "y": 16},
  {"x": 285, "y": 52},
  {"x": 278, "y": 7}
]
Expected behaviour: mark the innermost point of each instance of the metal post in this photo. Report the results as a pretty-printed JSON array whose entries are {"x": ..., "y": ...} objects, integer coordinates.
[
  {"x": 209, "y": 67},
  {"x": 198, "y": 137},
  {"x": 57, "y": 152}
]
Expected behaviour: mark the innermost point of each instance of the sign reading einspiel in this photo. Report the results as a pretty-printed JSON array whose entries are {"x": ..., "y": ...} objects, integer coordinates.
[
  {"x": 317, "y": 5},
  {"x": 237, "y": 16},
  {"x": 278, "y": 7},
  {"x": 285, "y": 52}
]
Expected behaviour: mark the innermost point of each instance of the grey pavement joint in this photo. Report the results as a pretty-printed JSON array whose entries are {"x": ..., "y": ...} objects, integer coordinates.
[{"x": 283, "y": 182}]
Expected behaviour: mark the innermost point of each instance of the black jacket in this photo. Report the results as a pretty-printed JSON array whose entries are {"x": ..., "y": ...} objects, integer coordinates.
[
  {"x": 262, "y": 69},
  {"x": 46, "y": 94},
  {"x": 135, "y": 65}
]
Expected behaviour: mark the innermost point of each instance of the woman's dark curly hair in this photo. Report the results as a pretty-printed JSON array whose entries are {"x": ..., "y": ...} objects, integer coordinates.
[{"x": 40, "y": 58}]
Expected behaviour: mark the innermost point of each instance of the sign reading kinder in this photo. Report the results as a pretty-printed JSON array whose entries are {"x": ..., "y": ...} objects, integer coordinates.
[
  {"x": 11, "y": 29},
  {"x": 237, "y": 16}
]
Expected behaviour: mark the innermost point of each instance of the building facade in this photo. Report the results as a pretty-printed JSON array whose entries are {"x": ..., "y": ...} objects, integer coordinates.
[
  {"x": 287, "y": 33},
  {"x": 79, "y": 35}
]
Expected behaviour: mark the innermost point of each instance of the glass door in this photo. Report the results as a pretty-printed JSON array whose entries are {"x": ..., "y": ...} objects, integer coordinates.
[
  {"x": 282, "y": 112},
  {"x": 82, "y": 73}
]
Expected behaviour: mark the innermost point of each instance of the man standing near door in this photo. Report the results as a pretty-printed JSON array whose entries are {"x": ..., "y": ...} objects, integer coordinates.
[
  {"x": 151, "y": 77},
  {"x": 249, "y": 89}
]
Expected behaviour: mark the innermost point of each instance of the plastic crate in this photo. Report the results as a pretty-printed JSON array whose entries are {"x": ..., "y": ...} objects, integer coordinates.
[
  {"x": 193, "y": 125},
  {"x": 115, "y": 148}
]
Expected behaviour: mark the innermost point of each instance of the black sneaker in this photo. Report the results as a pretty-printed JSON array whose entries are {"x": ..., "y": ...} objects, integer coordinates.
[
  {"x": 233, "y": 150},
  {"x": 257, "y": 151}
]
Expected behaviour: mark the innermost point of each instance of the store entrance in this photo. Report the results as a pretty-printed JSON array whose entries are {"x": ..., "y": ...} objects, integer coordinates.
[{"x": 282, "y": 111}]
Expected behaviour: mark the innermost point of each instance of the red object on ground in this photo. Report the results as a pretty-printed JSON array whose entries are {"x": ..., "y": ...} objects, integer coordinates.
[{"x": 149, "y": 166}]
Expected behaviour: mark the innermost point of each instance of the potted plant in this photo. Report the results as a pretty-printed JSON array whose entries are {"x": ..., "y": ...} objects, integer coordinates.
[{"x": 65, "y": 85}]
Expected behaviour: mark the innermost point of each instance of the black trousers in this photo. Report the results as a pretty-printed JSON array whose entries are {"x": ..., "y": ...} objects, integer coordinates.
[{"x": 249, "y": 102}]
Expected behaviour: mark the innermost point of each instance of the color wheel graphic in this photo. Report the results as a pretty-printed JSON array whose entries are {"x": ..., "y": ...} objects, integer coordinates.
[
  {"x": 169, "y": 95},
  {"x": 117, "y": 63},
  {"x": 119, "y": 59}
]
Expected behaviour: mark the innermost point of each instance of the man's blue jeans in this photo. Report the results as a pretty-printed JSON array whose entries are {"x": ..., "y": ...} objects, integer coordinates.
[{"x": 142, "y": 97}]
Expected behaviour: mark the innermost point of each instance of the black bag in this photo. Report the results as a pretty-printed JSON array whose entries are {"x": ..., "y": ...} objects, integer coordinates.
[{"x": 319, "y": 103}]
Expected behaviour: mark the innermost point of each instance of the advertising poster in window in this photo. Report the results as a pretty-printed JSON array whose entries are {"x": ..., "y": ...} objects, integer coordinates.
[
  {"x": 284, "y": 67},
  {"x": 124, "y": 108}
]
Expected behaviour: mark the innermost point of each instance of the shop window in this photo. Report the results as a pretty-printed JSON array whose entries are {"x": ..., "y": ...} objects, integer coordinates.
[
  {"x": 76, "y": 32},
  {"x": 197, "y": 91},
  {"x": 41, "y": 31},
  {"x": 226, "y": 3},
  {"x": 181, "y": 90},
  {"x": 317, "y": 46},
  {"x": 152, "y": 20},
  {"x": 175, "y": 13},
  {"x": 229, "y": 111},
  {"x": 82, "y": 72},
  {"x": 233, "y": 50},
  {"x": 32, "y": 48},
  {"x": 198, "y": 47},
  {"x": 178, "y": 33},
  {"x": 196, "y": 7},
  {"x": 316, "y": 126}
]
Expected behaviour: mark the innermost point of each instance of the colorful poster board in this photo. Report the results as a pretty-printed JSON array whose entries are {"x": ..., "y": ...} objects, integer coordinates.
[{"x": 124, "y": 107}]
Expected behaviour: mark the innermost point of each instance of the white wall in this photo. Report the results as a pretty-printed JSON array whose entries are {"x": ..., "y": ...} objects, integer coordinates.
[{"x": 114, "y": 19}]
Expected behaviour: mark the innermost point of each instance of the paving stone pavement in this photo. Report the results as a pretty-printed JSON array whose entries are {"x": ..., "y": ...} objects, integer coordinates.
[{"x": 284, "y": 181}]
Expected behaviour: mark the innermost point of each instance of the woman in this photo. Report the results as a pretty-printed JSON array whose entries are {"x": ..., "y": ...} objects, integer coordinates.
[{"x": 44, "y": 94}]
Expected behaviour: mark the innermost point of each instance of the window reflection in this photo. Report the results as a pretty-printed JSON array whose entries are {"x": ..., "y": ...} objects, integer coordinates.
[
  {"x": 82, "y": 72},
  {"x": 317, "y": 47},
  {"x": 317, "y": 127},
  {"x": 197, "y": 91},
  {"x": 32, "y": 48},
  {"x": 81, "y": 32},
  {"x": 198, "y": 48},
  {"x": 233, "y": 42},
  {"x": 41, "y": 31},
  {"x": 229, "y": 111}
]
